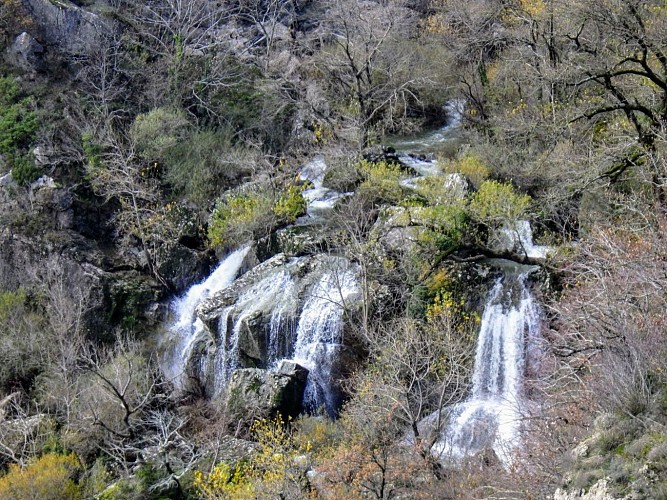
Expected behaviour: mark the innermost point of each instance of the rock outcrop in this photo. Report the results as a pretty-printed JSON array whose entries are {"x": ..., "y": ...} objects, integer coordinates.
[
  {"x": 26, "y": 53},
  {"x": 41, "y": 251},
  {"x": 255, "y": 393},
  {"x": 65, "y": 26}
]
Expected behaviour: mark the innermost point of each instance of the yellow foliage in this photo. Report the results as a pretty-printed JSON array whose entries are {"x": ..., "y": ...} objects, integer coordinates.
[
  {"x": 533, "y": 8},
  {"x": 382, "y": 180},
  {"x": 225, "y": 481},
  {"x": 272, "y": 472},
  {"x": 291, "y": 204},
  {"x": 498, "y": 202},
  {"x": 471, "y": 166},
  {"x": 48, "y": 477}
]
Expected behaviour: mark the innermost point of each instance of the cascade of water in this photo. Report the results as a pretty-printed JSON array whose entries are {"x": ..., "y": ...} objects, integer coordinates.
[
  {"x": 282, "y": 325},
  {"x": 266, "y": 295},
  {"x": 431, "y": 141},
  {"x": 320, "y": 199},
  {"x": 319, "y": 336},
  {"x": 492, "y": 415},
  {"x": 186, "y": 327},
  {"x": 519, "y": 236}
]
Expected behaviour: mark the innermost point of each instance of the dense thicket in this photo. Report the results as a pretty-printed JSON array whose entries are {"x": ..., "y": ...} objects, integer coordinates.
[{"x": 186, "y": 121}]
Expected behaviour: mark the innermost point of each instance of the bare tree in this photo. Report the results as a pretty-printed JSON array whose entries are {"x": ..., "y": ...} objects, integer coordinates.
[
  {"x": 177, "y": 26},
  {"x": 22, "y": 435},
  {"x": 104, "y": 74},
  {"x": 366, "y": 65},
  {"x": 271, "y": 18}
]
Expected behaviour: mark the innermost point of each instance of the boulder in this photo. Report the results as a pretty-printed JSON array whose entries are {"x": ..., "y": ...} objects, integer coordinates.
[
  {"x": 516, "y": 241},
  {"x": 230, "y": 449},
  {"x": 458, "y": 185},
  {"x": 66, "y": 26},
  {"x": 255, "y": 393},
  {"x": 209, "y": 311},
  {"x": 396, "y": 231},
  {"x": 257, "y": 319},
  {"x": 302, "y": 239},
  {"x": 181, "y": 266},
  {"x": 7, "y": 181},
  {"x": 380, "y": 153},
  {"x": 599, "y": 491},
  {"x": 26, "y": 53}
]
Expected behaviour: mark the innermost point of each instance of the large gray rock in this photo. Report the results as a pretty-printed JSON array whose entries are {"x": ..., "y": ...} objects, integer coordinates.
[
  {"x": 398, "y": 229},
  {"x": 254, "y": 393},
  {"x": 180, "y": 266},
  {"x": 458, "y": 185},
  {"x": 210, "y": 310},
  {"x": 301, "y": 239},
  {"x": 40, "y": 251},
  {"x": 257, "y": 319},
  {"x": 599, "y": 491},
  {"x": 26, "y": 53},
  {"x": 516, "y": 240},
  {"x": 65, "y": 26}
]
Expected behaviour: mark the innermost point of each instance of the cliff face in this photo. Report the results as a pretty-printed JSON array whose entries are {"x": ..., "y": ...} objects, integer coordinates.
[
  {"x": 64, "y": 27},
  {"x": 41, "y": 251}
]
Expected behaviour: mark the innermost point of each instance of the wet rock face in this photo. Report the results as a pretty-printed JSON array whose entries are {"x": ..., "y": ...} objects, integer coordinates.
[
  {"x": 284, "y": 308},
  {"x": 516, "y": 241},
  {"x": 255, "y": 393}
]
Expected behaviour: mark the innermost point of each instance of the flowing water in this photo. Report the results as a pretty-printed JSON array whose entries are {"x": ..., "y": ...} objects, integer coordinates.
[
  {"x": 306, "y": 324},
  {"x": 432, "y": 141},
  {"x": 519, "y": 237},
  {"x": 320, "y": 200},
  {"x": 491, "y": 417},
  {"x": 319, "y": 336},
  {"x": 187, "y": 327},
  {"x": 266, "y": 296}
]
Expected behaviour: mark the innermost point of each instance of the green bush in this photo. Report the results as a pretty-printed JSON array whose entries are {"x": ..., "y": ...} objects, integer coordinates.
[
  {"x": 290, "y": 205},
  {"x": 381, "y": 182},
  {"x": 497, "y": 203},
  {"x": 445, "y": 225},
  {"x": 471, "y": 166},
  {"x": 24, "y": 170},
  {"x": 206, "y": 164},
  {"x": 159, "y": 130},
  {"x": 18, "y": 121},
  {"x": 92, "y": 150},
  {"x": 242, "y": 216}
]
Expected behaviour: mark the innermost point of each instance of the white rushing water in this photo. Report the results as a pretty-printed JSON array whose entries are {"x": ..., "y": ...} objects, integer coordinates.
[
  {"x": 319, "y": 336},
  {"x": 491, "y": 417},
  {"x": 519, "y": 237},
  {"x": 411, "y": 151},
  {"x": 432, "y": 140},
  {"x": 266, "y": 295},
  {"x": 186, "y": 326},
  {"x": 320, "y": 200}
]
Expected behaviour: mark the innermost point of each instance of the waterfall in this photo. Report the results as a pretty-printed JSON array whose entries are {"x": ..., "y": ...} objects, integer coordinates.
[
  {"x": 491, "y": 417},
  {"x": 270, "y": 294},
  {"x": 519, "y": 237},
  {"x": 186, "y": 327},
  {"x": 320, "y": 200},
  {"x": 319, "y": 337}
]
